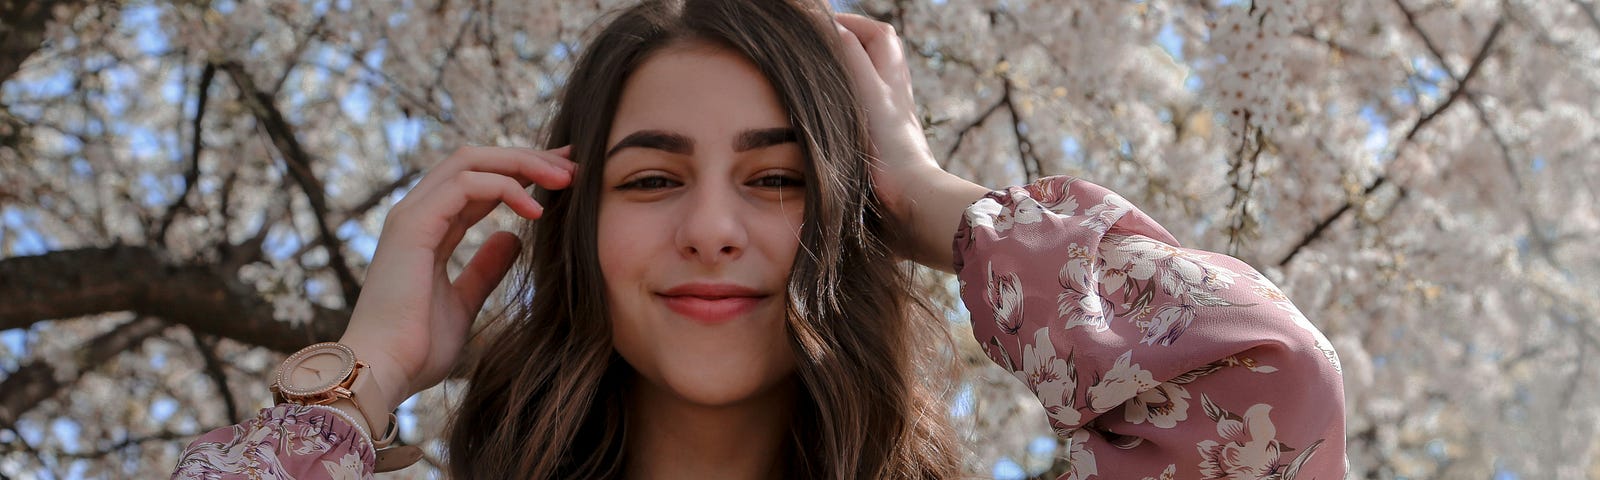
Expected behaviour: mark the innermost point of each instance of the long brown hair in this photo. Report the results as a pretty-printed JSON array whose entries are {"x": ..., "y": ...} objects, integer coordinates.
[{"x": 546, "y": 398}]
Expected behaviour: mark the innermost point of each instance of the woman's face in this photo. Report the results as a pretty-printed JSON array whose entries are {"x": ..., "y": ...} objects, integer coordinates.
[{"x": 700, "y": 215}]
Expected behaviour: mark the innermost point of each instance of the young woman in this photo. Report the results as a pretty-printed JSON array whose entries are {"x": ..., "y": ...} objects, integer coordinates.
[{"x": 712, "y": 289}]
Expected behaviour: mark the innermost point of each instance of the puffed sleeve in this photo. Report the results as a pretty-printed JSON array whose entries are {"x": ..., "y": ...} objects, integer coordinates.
[
  {"x": 1152, "y": 360},
  {"x": 283, "y": 441}
]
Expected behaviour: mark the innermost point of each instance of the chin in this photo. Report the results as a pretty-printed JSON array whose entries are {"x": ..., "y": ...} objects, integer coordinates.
[{"x": 726, "y": 382}]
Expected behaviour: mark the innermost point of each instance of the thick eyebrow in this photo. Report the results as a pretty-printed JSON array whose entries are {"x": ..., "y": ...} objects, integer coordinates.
[
  {"x": 764, "y": 137},
  {"x": 677, "y": 143},
  {"x": 655, "y": 139}
]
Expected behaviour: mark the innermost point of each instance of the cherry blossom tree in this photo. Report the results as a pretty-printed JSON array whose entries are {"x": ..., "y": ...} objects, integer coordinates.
[{"x": 189, "y": 190}]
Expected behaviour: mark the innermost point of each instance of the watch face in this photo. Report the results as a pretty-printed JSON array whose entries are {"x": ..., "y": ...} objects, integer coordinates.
[{"x": 315, "y": 370}]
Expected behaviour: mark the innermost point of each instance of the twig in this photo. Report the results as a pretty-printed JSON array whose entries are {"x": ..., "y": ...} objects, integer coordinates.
[
  {"x": 192, "y": 176},
  {"x": 207, "y": 345},
  {"x": 297, "y": 162},
  {"x": 1461, "y": 89},
  {"x": 1322, "y": 226},
  {"x": 1032, "y": 166},
  {"x": 36, "y": 381},
  {"x": 1244, "y": 182},
  {"x": 1461, "y": 84},
  {"x": 961, "y": 134},
  {"x": 299, "y": 49}
]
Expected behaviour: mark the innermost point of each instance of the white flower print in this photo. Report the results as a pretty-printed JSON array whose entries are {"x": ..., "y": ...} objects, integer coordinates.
[
  {"x": 1168, "y": 474},
  {"x": 1053, "y": 379},
  {"x": 1080, "y": 459},
  {"x": 1125, "y": 380},
  {"x": 1084, "y": 309},
  {"x": 1167, "y": 325},
  {"x": 1250, "y": 450},
  {"x": 1117, "y": 266},
  {"x": 1005, "y": 297},
  {"x": 1079, "y": 303},
  {"x": 1179, "y": 272},
  {"x": 1053, "y": 194},
  {"x": 1163, "y": 406},
  {"x": 983, "y": 212},
  {"x": 1102, "y": 216},
  {"x": 990, "y": 213},
  {"x": 1022, "y": 211},
  {"x": 348, "y": 468}
]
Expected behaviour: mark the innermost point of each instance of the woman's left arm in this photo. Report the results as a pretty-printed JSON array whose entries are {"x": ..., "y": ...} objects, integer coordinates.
[{"x": 1155, "y": 360}]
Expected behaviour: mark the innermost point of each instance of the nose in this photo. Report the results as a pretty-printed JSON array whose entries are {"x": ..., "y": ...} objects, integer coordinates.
[{"x": 712, "y": 228}]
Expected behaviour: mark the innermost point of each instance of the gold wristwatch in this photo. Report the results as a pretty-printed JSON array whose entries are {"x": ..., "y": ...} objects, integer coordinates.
[{"x": 325, "y": 373}]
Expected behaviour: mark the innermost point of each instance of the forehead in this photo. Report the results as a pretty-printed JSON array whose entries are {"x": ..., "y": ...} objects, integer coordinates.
[{"x": 705, "y": 92}]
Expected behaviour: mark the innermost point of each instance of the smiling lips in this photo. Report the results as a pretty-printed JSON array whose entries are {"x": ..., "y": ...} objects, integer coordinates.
[{"x": 711, "y": 304}]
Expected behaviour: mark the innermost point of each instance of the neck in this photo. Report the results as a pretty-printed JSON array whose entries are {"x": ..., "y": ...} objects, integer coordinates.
[{"x": 669, "y": 438}]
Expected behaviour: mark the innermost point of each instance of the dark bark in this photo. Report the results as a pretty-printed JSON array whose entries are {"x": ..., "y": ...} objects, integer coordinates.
[
  {"x": 298, "y": 162},
  {"x": 22, "y": 30},
  {"x": 36, "y": 381},
  {"x": 206, "y": 298}
]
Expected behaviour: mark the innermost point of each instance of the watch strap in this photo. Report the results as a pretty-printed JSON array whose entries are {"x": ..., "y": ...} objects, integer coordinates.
[{"x": 395, "y": 458}]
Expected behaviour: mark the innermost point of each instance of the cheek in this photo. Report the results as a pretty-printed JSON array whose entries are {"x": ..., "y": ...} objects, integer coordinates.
[
  {"x": 786, "y": 232},
  {"x": 624, "y": 256},
  {"x": 623, "y": 250}
]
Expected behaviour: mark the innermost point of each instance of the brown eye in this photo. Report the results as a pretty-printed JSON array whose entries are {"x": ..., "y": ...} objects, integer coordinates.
[
  {"x": 778, "y": 181},
  {"x": 653, "y": 182}
]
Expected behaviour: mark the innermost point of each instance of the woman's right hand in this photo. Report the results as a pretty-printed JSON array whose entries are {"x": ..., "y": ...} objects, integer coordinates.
[{"x": 411, "y": 320}]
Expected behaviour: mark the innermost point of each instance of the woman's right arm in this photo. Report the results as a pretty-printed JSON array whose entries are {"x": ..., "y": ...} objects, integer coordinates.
[{"x": 409, "y": 323}]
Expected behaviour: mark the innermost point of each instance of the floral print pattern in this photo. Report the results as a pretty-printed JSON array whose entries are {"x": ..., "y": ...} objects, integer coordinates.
[
  {"x": 286, "y": 441},
  {"x": 1054, "y": 379},
  {"x": 1143, "y": 351},
  {"x": 1251, "y": 449},
  {"x": 1125, "y": 331}
]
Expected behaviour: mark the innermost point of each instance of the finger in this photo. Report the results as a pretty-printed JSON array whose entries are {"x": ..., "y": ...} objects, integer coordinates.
[
  {"x": 881, "y": 43},
  {"x": 547, "y": 168},
  {"x": 868, "y": 83},
  {"x": 486, "y": 270},
  {"x": 456, "y": 205},
  {"x": 475, "y": 210}
]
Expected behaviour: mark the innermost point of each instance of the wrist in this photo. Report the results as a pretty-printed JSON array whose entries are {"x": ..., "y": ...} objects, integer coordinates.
[
  {"x": 932, "y": 214},
  {"x": 385, "y": 386}
]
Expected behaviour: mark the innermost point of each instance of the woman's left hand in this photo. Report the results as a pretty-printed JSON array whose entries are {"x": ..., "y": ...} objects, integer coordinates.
[{"x": 922, "y": 198}]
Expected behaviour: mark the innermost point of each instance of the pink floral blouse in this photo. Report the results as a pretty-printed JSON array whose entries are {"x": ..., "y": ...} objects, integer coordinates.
[{"x": 1152, "y": 360}]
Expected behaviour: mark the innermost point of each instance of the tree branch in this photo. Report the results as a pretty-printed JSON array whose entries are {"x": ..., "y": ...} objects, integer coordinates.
[
  {"x": 372, "y": 200},
  {"x": 1327, "y": 221},
  {"x": 207, "y": 345},
  {"x": 1461, "y": 83},
  {"x": 299, "y": 49},
  {"x": 23, "y": 27},
  {"x": 1460, "y": 89},
  {"x": 191, "y": 177},
  {"x": 298, "y": 163},
  {"x": 73, "y": 283},
  {"x": 37, "y": 381},
  {"x": 961, "y": 134},
  {"x": 1032, "y": 166}
]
